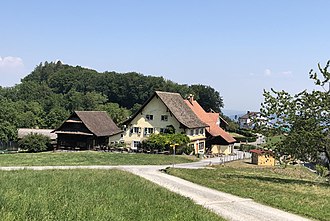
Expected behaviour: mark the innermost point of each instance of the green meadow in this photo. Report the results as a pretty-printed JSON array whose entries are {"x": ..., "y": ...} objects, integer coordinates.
[
  {"x": 91, "y": 195},
  {"x": 293, "y": 189},
  {"x": 89, "y": 158}
]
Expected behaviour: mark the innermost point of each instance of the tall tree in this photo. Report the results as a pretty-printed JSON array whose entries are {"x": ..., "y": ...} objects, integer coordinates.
[
  {"x": 207, "y": 97},
  {"x": 307, "y": 114}
]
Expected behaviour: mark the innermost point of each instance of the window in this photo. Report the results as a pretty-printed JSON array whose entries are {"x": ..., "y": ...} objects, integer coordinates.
[
  {"x": 201, "y": 131},
  {"x": 201, "y": 146},
  {"x": 135, "y": 145},
  {"x": 164, "y": 118},
  {"x": 149, "y": 117},
  {"x": 135, "y": 130},
  {"x": 192, "y": 132},
  {"x": 148, "y": 130},
  {"x": 196, "y": 132},
  {"x": 163, "y": 130}
]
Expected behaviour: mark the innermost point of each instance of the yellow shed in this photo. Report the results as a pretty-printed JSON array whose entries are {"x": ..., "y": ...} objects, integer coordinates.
[{"x": 263, "y": 157}]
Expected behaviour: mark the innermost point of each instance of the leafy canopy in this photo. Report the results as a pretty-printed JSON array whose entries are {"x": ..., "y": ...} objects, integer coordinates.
[{"x": 306, "y": 114}]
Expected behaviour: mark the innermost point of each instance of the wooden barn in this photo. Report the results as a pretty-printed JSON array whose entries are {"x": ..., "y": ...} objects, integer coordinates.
[{"x": 86, "y": 130}]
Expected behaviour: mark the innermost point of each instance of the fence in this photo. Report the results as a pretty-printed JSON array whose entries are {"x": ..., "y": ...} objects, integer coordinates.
[{"x": 10, "y": 146}]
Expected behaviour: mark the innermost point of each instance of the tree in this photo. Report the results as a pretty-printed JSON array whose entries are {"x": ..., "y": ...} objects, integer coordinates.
[
  {"x": 117, "y": 114},
  {"x": 8, "y": 132},
  {"x": 34, "y": 142},
  {"x": 207, "y": 97},
  {"x": 307, "y": 114},
  {"x": 164, "y": 141}
]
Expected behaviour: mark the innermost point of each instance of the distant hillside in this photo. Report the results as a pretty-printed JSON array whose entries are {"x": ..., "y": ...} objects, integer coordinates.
[{"x": 126, "y": 89}]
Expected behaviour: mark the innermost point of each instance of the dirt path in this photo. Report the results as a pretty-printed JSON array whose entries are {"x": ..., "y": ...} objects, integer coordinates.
[{"x": 226, "y": 205}]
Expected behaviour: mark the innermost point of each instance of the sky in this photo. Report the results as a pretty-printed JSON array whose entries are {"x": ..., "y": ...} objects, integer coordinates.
[{"x": 238, "y": 47}]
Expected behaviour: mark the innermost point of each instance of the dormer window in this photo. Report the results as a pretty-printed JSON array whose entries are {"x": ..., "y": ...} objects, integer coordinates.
[{"x": 149, "y": 117}]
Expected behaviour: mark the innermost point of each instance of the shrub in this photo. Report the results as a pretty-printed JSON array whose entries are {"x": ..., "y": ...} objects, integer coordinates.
[
  {"x": 321, "y": 170},
  {"x": 34, "y": 143},
  {"x": 246, "y": 147}
]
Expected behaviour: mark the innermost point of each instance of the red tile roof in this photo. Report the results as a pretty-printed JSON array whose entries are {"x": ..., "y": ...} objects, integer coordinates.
[
  {"x": 210, "y": 119},
  {"x": 259, "y": 152}
]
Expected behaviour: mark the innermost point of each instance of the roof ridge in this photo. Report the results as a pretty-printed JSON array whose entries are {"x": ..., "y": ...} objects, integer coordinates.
[{"x": 166, "y": 92}]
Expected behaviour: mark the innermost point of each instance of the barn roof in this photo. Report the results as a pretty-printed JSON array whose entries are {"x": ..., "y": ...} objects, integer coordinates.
[{"x": 97, "y": 122}]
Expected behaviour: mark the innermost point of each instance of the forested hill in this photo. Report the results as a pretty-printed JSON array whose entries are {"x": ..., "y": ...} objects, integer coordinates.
[
  {"x": 125, "y": 89},
  {"x": 52, "y": 91}
]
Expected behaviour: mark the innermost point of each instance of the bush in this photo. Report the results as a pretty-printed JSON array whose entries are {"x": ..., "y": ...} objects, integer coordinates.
[
  {"x": 246, "y": 147},
  {"x": 186, "y": 149},
  {"x": 34, "y": 143},
  {"x": 321, "y": 170}
]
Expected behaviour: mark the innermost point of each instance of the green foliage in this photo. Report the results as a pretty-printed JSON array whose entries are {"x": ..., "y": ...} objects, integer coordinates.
[
  {"x": 56, "y": 116},
  {"x": 8, "y": 132},
  {"x": 247, "y": 135},
  {"x": 207, "y": 97},
  {"x": 321, "y": 170},
  {"x": 117, "y": 114},
  {"x": 307, "y": 114},
  {"x": 246, "y": 147},
  {"x": 34, "y": 143},
  {"x": 163, "y": 142}
]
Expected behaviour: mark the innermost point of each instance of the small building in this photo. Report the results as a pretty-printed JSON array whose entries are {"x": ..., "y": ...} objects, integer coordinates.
[
  {"x": 218, "y": 141},
  {"x": 86, "y": 130},
  {"x": 262, "y": 157},
  {"x": 251, "y": 119}
]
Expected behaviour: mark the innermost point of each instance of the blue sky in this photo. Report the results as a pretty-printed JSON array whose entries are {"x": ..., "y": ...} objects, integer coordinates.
[{"x": 237, "y": 47}]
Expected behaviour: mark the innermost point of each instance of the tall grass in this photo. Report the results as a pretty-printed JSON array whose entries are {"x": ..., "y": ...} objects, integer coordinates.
[
  {"x": 88, "y": 158},
  {"x": 293, "y": 189},
  {"x": 91, "y": 195}
]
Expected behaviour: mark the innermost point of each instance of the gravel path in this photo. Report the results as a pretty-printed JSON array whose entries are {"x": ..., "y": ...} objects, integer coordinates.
[{"x": 226, "y": 205}]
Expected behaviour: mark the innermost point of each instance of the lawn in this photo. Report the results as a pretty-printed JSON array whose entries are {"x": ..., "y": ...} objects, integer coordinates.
[
  {"x": 293, "y": 189},
  {"x": 91, "y": 195},
  {"x": 89, "y": 158},
  {"x": 270, "y": 141}
]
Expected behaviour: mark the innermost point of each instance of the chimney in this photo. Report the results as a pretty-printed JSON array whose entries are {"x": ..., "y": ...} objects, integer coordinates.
[{"x": 191, "y": 98}]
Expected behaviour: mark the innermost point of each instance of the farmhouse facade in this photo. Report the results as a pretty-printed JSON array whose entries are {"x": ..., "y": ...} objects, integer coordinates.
[{"x": 163, "y": 111}]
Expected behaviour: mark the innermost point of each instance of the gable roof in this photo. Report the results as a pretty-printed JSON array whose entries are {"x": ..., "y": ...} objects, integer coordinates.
[
  {"x": 210, "y": 119},
  {"x": 249, "y": 115},
  {"x": 178, "y": 108},
  {"x": 97, "y": 122},
  {"x": 261, "y": 152}
]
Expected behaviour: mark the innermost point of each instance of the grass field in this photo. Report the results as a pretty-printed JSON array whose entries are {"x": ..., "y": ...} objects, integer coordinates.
[
  {"x": 88, "y": 158},
  {"x": 270, "y": 141},
  {"x": 91, "y": 195},
  {"x": 292, "y": 189}
]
